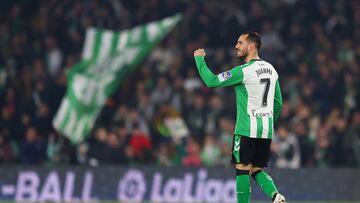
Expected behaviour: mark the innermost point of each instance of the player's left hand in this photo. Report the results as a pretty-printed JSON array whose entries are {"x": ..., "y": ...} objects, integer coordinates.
[{"x": 199, "y": 52}]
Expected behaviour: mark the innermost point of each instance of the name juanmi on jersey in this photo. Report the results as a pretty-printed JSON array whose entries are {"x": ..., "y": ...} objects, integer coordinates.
[{"x": 261, "y": 71}]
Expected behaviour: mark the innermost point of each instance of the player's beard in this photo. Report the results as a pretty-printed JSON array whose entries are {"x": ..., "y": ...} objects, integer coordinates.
[{"x": 243, "y": 54}]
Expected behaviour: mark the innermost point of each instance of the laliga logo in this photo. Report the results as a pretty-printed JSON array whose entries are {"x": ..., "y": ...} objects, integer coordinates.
[
  {"x": 132, "y": 186},
  {"x": 189, "y": 188}
]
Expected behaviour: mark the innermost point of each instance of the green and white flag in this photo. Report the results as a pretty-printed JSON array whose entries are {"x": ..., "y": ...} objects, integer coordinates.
[{"x": 107, "y": 58}]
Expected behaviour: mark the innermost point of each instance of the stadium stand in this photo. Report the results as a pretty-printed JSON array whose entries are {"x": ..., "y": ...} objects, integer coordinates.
[{"x": 316, "y": 51}]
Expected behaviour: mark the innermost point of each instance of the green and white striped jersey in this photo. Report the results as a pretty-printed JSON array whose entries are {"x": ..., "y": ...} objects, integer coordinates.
[{"x": 257, "y": 91}]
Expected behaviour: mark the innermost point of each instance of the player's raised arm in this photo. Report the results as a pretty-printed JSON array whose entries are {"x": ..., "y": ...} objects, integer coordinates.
[
  {"x": 227, "y": 78},
  {"x": 277, "y": 101}
]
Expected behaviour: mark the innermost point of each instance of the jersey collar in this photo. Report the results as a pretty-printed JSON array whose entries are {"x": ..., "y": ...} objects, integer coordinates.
[{"x": 255, "y": 60}]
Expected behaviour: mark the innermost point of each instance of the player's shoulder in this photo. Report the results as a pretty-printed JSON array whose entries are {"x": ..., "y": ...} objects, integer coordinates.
[
  {"x": 267, "y": 64},
  {"x": 246, "y": 65},
  {"x": 254, "y": 62}
]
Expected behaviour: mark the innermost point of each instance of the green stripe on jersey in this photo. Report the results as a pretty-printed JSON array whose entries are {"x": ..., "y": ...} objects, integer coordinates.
[
  {"x": 270, "y": 133},
  {"x": 259, "y": 124},
  {"x": 242, "y": 119}
]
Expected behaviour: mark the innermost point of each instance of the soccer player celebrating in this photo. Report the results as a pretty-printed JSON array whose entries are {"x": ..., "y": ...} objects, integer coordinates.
[{"x": 258, "y": 105}]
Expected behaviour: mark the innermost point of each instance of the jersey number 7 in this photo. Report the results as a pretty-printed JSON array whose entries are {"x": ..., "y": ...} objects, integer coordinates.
[{"x": 265, "y": 81}]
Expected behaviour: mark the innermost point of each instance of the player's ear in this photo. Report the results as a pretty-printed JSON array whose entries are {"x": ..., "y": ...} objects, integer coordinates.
[{"x": 251, "y": 45}]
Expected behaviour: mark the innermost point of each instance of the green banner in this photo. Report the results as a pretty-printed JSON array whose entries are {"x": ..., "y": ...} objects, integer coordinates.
[{"x": 107, "y": 58}]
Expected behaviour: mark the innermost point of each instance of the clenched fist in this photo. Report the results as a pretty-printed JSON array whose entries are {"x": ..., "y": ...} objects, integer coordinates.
[{"x": 199, "y": 52}]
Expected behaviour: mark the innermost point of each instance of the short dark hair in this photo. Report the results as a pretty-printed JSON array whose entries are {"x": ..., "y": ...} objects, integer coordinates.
[{"x": 253, "y": 37}]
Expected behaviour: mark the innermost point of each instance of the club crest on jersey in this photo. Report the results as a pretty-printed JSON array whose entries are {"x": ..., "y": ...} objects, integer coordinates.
[{"x": 224, "y": 76}]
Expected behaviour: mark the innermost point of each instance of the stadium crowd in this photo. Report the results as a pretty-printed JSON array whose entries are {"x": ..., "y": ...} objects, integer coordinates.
[{"x": 314, "y": 45}]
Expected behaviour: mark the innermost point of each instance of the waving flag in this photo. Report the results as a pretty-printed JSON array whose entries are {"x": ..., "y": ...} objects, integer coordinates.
[{"x": 107, "y": 58}]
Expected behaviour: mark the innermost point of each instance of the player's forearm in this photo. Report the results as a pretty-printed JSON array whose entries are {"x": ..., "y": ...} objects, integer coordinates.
[
  {"x": 277, "y": 101},
  {"x": 206, "y": 75},
  {"x": 277, "y": 110}
]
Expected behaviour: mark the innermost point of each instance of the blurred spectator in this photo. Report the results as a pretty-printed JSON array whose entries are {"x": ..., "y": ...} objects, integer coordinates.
[
  {"x": 352, "y": 141},
  {"x": 210, "y": 154},
  {"x": 32, "y": 148},
  {"x": 286, "y": 149},
  {"x": 214, "y": 110},
  {"x": 54, "y": 148},
  {"x": 177, "y": 98},
  {"x": 162, "y": 57},
  {"x": 192, "y": 157},
  {"x": 113, "y": 152},
  {"x": 7, "y": 150},
  {"x": 141, "y": 145},
  {"x": 337, "y": 140},
  {"x": 307, "y": 143},
  {"x": 270, "y": 38},
  {"x": 93, "y": 154},
  {"x": 54, "y": 56},
  {"x": 192, "y": 82},
  {"x": 144, "y": 106},
  {"x": 163, "y": 155},
  {"x": 196, "y": 119},
  {"x": 162, "y": 92},
  {"x": 322, "y": 148}
]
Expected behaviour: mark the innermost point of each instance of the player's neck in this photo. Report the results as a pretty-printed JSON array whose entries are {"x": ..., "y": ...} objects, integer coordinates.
[{"x": 251, "y": 56}]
